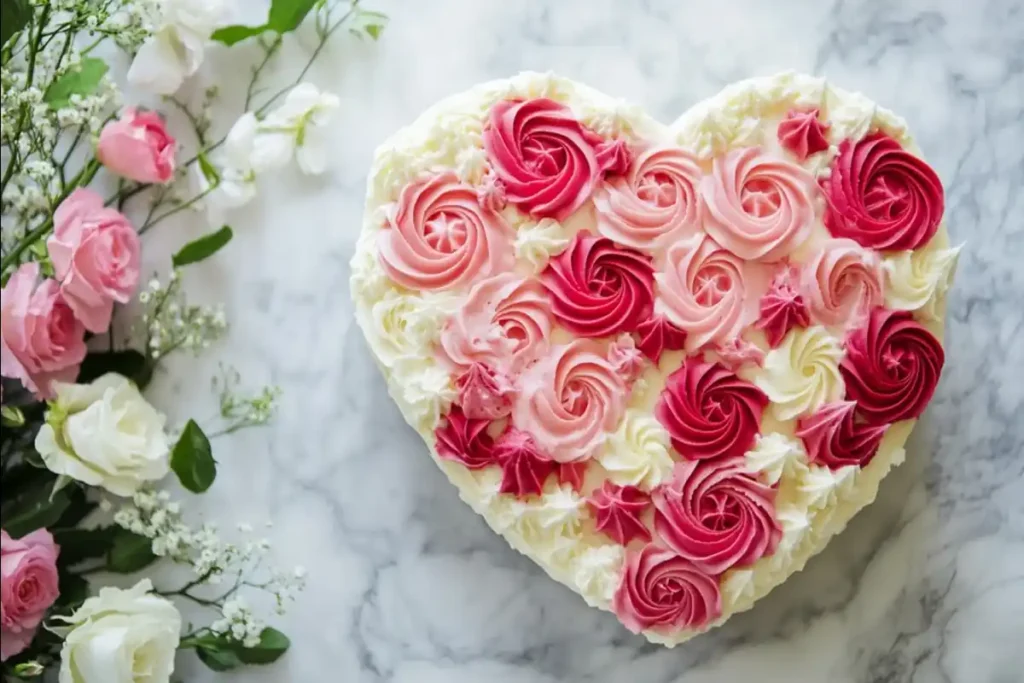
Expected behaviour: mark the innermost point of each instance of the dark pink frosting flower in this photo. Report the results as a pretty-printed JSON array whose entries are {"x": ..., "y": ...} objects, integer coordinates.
[
  {"x": 882, "y": 196},
  {"x": 572, "y": 473},
  {"x": 717, "y": 515},
  {"x": 783, "y": 307},
  {"x": 465, "y": 440},
  {"x": 485, "y": 393},
  {"x": 525, "y": 467},
  {"x": 659, "y": 589},
  {"x": 28, "y": 587},
  {"x": 599, "y": 289},
  {"x": 802, "y": 133},
  {"x": 892, "y": 367},
  {"x": 618, "y": 512},
  {"x": 834, "y": 438},
  {"x": 710, "y": 412},
  {"x": 614, "y": 156},
  {"x": 546, "y": 159},
  {"x": 657, "y": 334}
]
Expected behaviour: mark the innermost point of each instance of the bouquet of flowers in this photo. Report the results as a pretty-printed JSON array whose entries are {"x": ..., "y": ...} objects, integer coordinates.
[{"x": 82, "y": 452}]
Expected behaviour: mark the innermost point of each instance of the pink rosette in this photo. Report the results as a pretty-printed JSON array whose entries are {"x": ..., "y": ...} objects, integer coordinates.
[
  {"x": 758, "y": 207},
  {"x": 626, "y": 358},
  {"x": 664, "y": 591},
  {"x": 569, "y": 400},
  {"x": 882, "y": 196},
  {"x": 485, "y": 393},
  {"x": 618, "y": 512},
  {"x": 465, "y": 440},
  {"x": 543, "y": 155},
  {"x": 599, "y": 289},
  {"x": 842, "y": 283},
  {"x": 737, "y": 352},
  {"x": 802, "y": 134},
  {"x": 834, "y": 438},
  {"x": 709, "y": 412},
  {"x": 708, "y": 291},
  {"x": 440, "y": 237},
  {"x": 717, "y": 515},
  {"x": 504, "y": 323},
  {"x": 783, "y": 307},
  {"x": 654, "y": 204},
  {"x": 525, "y": 467}
]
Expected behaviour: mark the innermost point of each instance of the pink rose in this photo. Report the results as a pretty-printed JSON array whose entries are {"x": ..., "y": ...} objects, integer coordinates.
[
  {"x": 138, "y": 147},
  {"x": 717, "y": 515},
  {"x": 547, "y": 161},
  {"x": 41, "y": 342},
  {"x": 28, "y": 586},
  {"x": 661, "y": 589},
  {"x": 95, "y": 253}
]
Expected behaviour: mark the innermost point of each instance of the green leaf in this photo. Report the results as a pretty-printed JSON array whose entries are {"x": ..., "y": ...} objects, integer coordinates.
[
  {"x": 131, "y": 364},
  {"x": 14, "y": 15},
  {"x": 83, "y": 544},
  {"x": 229, "y": 35},
  {"x": 74, "y": 589},
  {"x": 217, "y": 656},
  {"x": 12, "y": 416},
  {"x": 286, "y": 15},
  {"x": 129, "y": 552},
  {"x": 81, "y": 80},
  {"x": 273, "y": 644},
  {"x": 37, "y": 510},
  {"x": 366, "y": 22},
  {"x": 202, "y": 248},
  {"x": 192, "y": 459}
]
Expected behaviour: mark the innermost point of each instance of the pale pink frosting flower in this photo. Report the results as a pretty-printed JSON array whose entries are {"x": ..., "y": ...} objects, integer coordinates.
[
  {"x": 95, "y": 254},
  {"x": 626, "y": 358},
  {"x": 758, "y": 207},
  {"x": 654, "y": 204},
  {"x": 28, "y": 587},
  {"x": 440, "y": 237},
  {"x": 504, "y": 323},
  {"x": 41, "y": 342},
  {"x": 708, "y": 291},
  {"x": 842, "y": 283},
  {"x": 569, "y": 400},
  {"x": 137, "y": 146}
]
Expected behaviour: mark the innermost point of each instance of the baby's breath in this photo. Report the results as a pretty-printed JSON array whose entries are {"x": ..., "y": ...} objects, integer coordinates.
[{"x": 171, "y": 323}]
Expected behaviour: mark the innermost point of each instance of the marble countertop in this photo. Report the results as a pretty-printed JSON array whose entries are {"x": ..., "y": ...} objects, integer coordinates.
[{"x": 406, "y": 585}]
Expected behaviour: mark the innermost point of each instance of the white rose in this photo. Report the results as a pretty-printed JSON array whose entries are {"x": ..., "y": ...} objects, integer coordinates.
[
  {"x": 121, "y": 636},
  {"x": 104, "y": 434}
]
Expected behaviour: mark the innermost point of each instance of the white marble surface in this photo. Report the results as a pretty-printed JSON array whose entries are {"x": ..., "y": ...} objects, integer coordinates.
[{"x": 407, "y": 586}]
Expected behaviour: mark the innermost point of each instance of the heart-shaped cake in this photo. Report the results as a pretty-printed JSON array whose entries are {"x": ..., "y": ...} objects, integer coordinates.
[{"x": 667, "y": 363}]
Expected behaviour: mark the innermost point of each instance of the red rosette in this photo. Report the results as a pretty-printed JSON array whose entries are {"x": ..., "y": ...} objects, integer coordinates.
[
  {"x": 882, "y": 196},
  {"x": 892, "y": 367},
  {"x": 709, "y": 412}
]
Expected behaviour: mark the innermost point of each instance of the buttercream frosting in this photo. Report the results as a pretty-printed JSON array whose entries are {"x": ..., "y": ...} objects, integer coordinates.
[{"x": 803, "y": 373}]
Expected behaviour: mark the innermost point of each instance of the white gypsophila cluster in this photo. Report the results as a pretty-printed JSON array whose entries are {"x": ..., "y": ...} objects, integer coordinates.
[
  {"x": 239, "y": 622},
  {"x": 243, "y": 410},
  {"x": 155, "y": 516},
  {"x": 171, "y": 323},
  {"x": 39, "y": 133}
]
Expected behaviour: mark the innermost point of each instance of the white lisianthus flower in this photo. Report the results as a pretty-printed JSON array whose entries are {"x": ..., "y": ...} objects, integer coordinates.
[
  {"x": 104, "y": 434},
  {"x": 121, "y": 636},
  {"x": 297, "y": 126},
  {"x": 175, "y": 50}
]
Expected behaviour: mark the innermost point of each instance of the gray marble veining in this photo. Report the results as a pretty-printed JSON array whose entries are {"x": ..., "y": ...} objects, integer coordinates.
[{"x": 408, "y": 586}]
